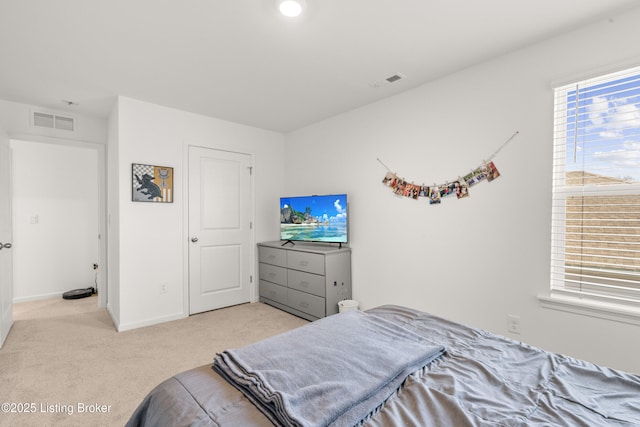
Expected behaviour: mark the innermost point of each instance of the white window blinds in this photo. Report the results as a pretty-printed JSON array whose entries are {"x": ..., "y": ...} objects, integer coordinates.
[{"x": 596, "y": 189}]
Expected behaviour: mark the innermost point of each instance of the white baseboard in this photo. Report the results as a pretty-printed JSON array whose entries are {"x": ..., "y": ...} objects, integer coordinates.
[
  {"x": 37, "y": 297},
  {"x": 113, "y": 318},
  {"x": 150, "y": 322}
]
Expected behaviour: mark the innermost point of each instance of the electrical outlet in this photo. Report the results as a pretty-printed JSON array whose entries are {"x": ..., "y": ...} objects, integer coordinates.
[
  {"x": 163, "y": 288},
  {"x": 513, "y": 323}
]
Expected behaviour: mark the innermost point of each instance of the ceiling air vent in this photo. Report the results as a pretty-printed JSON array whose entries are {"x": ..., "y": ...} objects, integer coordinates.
[
  {"x": 395, "y": 78},
  {"x": 53, "y": 121},
  {"x": 389, "y": 80}
]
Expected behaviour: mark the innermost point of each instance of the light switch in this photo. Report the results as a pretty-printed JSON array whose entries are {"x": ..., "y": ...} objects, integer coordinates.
[{"x": 33, "y": 219}]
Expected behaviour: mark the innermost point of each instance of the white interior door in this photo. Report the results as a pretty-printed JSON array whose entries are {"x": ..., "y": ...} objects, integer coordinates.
[
  {"x": 220, "y": 229},
  {"x": 6, "y": 259}
]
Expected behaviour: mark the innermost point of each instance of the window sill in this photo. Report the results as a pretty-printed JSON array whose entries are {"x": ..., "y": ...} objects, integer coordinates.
[{"x": 589, "y": 307}]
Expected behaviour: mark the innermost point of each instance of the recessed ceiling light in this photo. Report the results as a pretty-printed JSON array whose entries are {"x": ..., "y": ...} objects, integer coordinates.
[{"x": 290, "y": 8}]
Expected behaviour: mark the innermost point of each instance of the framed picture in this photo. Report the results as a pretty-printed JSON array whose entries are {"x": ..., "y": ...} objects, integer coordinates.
[{"x": 151, "y": 183}]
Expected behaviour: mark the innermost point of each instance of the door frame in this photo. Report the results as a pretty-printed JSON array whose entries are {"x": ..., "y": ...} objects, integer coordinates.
[
  {"x": 6, "y": 288},
  {"x": 253, "y": 288},
  {"x": 101, "y": 150}
]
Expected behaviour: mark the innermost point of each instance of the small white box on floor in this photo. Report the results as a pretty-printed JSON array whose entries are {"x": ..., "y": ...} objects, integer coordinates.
[{"x": 347, "y": 305}]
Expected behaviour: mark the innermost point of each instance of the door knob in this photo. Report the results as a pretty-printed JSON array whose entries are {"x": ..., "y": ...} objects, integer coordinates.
[
  {"x": 5, "y": 245},
  {"x": 194, "y": 239}
]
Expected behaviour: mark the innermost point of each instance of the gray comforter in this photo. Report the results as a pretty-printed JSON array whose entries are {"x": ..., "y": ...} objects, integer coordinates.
[
  {"x": 359, "y": 361},
  {"x": 482, "y": 380}
]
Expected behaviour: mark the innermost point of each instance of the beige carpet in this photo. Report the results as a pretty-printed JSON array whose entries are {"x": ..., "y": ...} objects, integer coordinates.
[{"x": 64, "y": 358}]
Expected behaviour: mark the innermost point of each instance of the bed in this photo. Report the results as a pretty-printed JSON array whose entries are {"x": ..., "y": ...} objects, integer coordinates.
[{"x": 442, "y": 374}]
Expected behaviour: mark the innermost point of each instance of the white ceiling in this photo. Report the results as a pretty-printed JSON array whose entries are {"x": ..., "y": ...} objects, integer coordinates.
[{"x": 238, "y": 60}]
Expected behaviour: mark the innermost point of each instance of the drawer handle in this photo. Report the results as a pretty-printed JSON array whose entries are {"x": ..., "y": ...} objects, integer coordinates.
[
  {"x": 304, "y": 284},
  {"x": 304, "y": 263},
  {"x": 272, "y": 274},
  {"x": 304, "y": 304}
]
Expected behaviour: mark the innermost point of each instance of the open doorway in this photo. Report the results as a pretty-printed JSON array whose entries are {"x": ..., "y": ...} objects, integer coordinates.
[{"x": 57, "y": 221}]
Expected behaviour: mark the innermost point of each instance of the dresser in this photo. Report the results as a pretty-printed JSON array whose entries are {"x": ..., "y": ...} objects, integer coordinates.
[{"x": 304, "y": 279}]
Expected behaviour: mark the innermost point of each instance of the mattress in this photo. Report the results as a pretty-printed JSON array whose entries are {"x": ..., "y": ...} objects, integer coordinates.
[{"x": 482, "y": 379}]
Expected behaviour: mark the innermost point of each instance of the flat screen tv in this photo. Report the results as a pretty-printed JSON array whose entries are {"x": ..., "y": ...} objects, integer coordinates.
[{"x": 314, "y": 218}]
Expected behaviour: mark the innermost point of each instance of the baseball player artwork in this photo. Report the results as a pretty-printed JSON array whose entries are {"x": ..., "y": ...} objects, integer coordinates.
[{"x": 152, "y": 183}]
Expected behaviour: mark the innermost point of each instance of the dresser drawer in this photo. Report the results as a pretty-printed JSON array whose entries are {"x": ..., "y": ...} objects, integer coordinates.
[
  {"x": 273, "y": 292},
  {"x": 306, "y": 282},
  {"x": 272, "y": 256},
  {"x": 305, "y": 302},
  {"x": 273, "y": 273},
  {"x": 305, "y": 261}
]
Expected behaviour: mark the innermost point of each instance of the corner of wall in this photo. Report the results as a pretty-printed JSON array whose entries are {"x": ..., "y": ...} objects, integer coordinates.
[{"x": 113, "y": 206}]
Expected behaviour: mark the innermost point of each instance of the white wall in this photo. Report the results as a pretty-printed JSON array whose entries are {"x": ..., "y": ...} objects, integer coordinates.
[
  {"x": 55, "y": 218},
  {"x": 474, "y": 260},
  {"x": 148, "y": 242}
]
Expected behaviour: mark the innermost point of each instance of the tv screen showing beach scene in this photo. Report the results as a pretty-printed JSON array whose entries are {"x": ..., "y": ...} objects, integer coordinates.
[{"x": 314, "y": 218}]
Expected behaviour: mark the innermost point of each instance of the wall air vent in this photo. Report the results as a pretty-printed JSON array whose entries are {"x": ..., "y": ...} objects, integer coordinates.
[{"x": 53, "y": 121}]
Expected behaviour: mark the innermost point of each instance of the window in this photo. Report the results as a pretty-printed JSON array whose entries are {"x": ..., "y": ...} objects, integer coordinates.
[{"x": 596, "y": 190}]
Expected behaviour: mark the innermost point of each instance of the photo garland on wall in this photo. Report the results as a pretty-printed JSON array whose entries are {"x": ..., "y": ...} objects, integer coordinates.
[
  {"x": 151, "y": 183},
  {"x": 435, "y": 193},
  {"x": 487, "y": 171}
]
